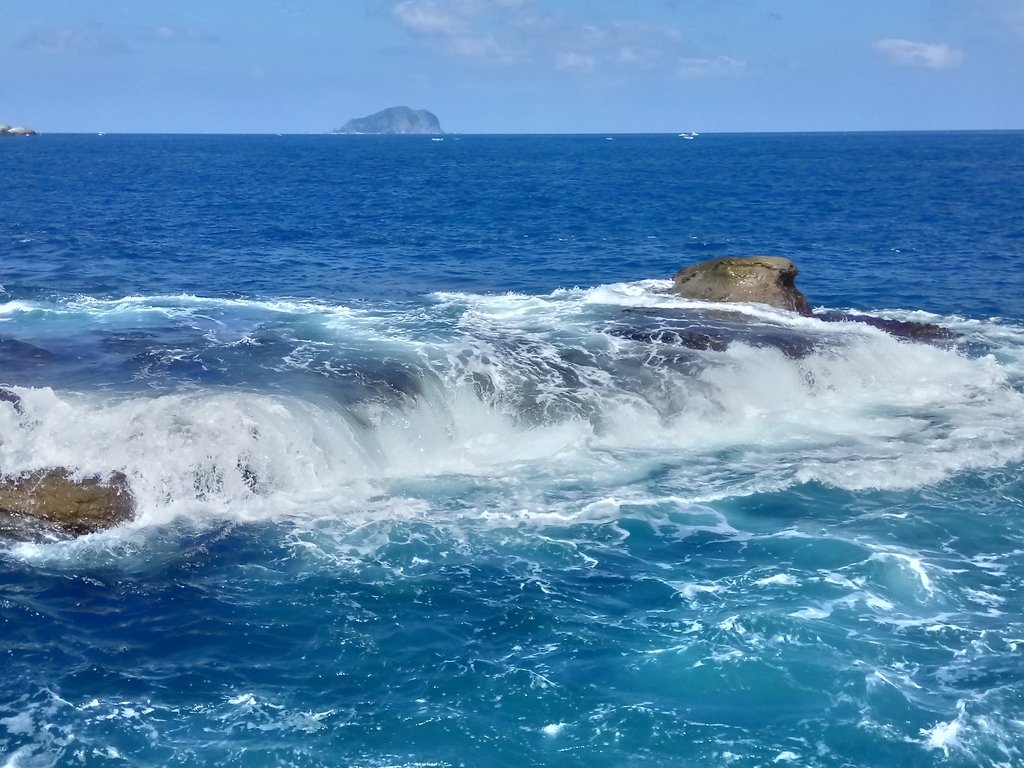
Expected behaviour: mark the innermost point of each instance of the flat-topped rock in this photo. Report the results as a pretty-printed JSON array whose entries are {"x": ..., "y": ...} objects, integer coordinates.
[
  {"x": 770, "y": 280},
  {"x": 755, "y": 279},
  {"x": 53, "y": 500}
]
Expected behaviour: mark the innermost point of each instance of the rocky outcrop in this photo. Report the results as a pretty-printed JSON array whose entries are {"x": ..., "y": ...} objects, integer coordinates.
[
  {"x": 904, "y": 329},
  {"x": 6, "y": 396},
  {"x": 395, "y": 121},
  {"x": 755, "y": 279},
  {"x": 769, "y": 280},
  {"x": 705, "y": 329},
  {"x": 52, "y": 500},
  {"x": 16, "y": 130}
]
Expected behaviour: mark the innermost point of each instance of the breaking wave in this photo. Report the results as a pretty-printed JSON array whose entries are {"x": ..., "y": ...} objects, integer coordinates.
[{"x": 258, "y": 409}]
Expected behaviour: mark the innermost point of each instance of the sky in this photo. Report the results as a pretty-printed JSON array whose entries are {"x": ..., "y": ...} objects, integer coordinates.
[{"x": 513, "y": 66}]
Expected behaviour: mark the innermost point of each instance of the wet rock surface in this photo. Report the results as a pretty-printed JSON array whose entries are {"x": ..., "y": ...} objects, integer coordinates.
[
  {"x": 769, "y": 280},
  {"x": 904, "y": 329},
  {"x": 756, "y": 279},
  {"x": 52, "y": 502},
  {"x": 712, "y": 330}
]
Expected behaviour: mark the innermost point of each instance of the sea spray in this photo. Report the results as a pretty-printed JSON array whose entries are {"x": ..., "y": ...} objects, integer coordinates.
[
  {"x": 531, "y": 384},
  {"x": 435, "y": 470}
]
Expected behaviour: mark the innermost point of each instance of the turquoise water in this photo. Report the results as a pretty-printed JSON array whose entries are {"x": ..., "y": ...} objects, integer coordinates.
[{"x": 425, "y": 476}]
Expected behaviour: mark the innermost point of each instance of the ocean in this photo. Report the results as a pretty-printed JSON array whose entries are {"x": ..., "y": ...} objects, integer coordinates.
[{"x": 428, "y": 474}]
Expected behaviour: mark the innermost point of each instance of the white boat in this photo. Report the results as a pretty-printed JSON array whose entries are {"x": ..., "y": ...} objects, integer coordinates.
[{"x": 689, "y": 135}]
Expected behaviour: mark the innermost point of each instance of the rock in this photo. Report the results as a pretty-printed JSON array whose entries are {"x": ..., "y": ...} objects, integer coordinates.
[
  {"x": 756, "y": 279},
  {"x": 904, "y": 329},
  {"x": 395, "y": 120},
  {"x": 6, "y": 396},
  {"x": 711, "y": 330},
  {"x": 17, "y": 130},
  {"x": 21, "y": 354},
  {"x": 54, "y": 500}
]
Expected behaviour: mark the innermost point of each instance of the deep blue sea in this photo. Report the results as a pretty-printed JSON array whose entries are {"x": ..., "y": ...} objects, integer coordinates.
[{"x": 427, "y": 476}]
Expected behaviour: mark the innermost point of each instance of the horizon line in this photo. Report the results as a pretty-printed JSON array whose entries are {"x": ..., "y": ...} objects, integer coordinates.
[{"x": 522, "y": 133}]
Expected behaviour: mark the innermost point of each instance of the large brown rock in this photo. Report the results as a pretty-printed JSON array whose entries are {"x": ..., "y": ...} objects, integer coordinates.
[
  {"x": 755, "y": 279},
  {"x": 53, "y": 498}
]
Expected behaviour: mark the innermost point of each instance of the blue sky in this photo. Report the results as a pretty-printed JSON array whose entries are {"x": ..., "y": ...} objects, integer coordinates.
[{"x": 513, "y": 66}]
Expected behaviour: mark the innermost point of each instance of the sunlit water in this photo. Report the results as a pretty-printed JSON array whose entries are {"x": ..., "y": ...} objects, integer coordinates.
[{"x": 426, "y": 477}]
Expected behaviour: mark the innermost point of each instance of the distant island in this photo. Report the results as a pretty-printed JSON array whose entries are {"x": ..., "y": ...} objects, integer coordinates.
[
  {"x": 395, "y": 121},
  {"x": 8, "y": 130}
]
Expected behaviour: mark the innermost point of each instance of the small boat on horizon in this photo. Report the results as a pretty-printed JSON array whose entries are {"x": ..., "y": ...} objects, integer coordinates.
[{"x": 689, "y": 135}]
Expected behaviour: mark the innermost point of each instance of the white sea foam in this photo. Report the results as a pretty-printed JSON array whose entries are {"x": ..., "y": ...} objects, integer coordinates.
[
  {"x": 692, "y": 591},
  {"x": 780, "y": 579},
  {"x": 944, "y": 735},
  {"x": 14, "y": 307},
  {"x": 553, "y": 729},
  {"x": 813, "y": 613},
  {"x": 185, "y": 301},
  {"x": 910, "y": 563},
  {"x": 522, "y": 391}
]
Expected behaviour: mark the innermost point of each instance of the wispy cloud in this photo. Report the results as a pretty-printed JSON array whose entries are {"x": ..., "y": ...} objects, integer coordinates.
[
  {"x": 170, "y": 33},
  {"x": 520, "y": 31},
  {"x": 452, "y": 28},
  {"x": 1009, "y": 14},
  {"x": 908, "y": 53},
  {"x": 1003, "y": 16},
  {"x": 571, "y": 61},
  {"x": 424, "y": 17},
  {"x": 91, "y": 39},
  {"x": 99, "y": 40},
  {"x": 720, "y": 66},
  {"x": 1015, "y": 20}
]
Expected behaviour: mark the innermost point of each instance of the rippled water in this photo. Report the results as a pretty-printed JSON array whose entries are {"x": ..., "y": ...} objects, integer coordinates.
[{"x": 428, "y": 474}]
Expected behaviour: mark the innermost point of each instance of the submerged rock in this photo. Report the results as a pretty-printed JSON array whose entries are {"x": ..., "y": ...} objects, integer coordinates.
[
  {"x": 52, "y": 500},
  {"x": 14, "y": 353},
  {"x": 714, "y": 330},
  {"x": 756, "y": 279},
  {"x": 904, "y": 329},
  {"x": 707, "y": 330},
  {"x": 7, "y": 396}
]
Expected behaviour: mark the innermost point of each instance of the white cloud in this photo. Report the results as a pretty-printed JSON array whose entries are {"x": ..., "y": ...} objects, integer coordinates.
[
  {"x": 1015, "y": 20},
  {"x": 424, "y": 17},
  {"x": 908, "y": 53},
  {"x": 477, "y": 47},
  {"x": 1004, "y": 16},
  {"x": 720, "y": 66},
  {"x": 522, "y": 32},
  {"x": 451, "y": 27},
  {"x": 91, "y": 39},
  {"x": 99, "y": 40},
  {"x": 570, "y": 61},
  {"x": 173, "y": 34}
]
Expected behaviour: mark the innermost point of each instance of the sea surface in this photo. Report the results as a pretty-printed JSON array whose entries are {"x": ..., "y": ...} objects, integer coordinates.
[{"x": 431, "y": 468}]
